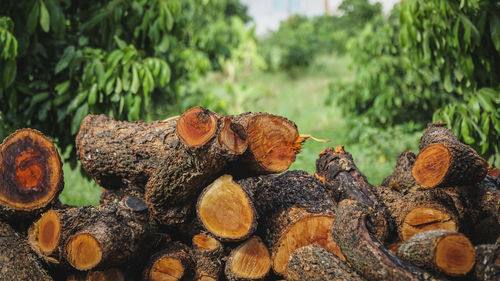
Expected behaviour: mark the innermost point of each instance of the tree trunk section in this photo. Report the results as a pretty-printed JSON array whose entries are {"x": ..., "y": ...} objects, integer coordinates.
[
  {"x": 442, "y": 251},
  {"x": 207, "y": 254},
  {"x": 17, "y": 262},
  {"x": 401, "y": 179},
  {"x": 365, "y": 253},
  {"x": 171, "y": 264},
  {"x": 249, "y": 261},
  {"x": 444, "y": 161},
  {"x": 31, "y": 175},
  {"x": 315, "y": 263}
]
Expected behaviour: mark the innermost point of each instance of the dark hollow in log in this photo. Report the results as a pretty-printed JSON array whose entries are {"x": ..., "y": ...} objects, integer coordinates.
[
  {"x": 444, "y": 161},
  {"x": 226, "y": 210},
  {"x": 17, "y": 262},
  {"x": 315, "y": 263},
  {"x": 487, "y": 262},
  {"x": 273, "y": 142},
  {"x": 295, "y": 210},
  {"x": 249, "y": 261},
  {"x": 31, "y": 175},
  {"x": 172, "y": 264},
  {"x": 207, "y": 254},
  {"x": 401, "y": 179},
  {"x": 365, "y": 253},
  {"x": 337, "y": 170},
  {"x": 440, "y": 250}
]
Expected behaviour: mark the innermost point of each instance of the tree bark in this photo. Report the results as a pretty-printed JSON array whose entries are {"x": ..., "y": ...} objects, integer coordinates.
[
  {"x": 441, "y": 251},
  {"x": 365, "y": 253},
  {"x": 17, "y": 262},
  {"x": 249, "y": 261},
  {"x": 444, "y": 161},
  {"x": 315, "y": 263},
  {"x": 401, "y": 179},
  {"x": 31, "y": 175},
  {"x": 207, "y": 254},
  {"x": 172, "y": 263},
  {"x": 487, "y": 262}
]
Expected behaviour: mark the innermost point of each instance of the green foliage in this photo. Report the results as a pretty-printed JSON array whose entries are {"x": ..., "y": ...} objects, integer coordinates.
[
  {"x": 300, "y": 39},
  {"x": 117, "y": 57}
]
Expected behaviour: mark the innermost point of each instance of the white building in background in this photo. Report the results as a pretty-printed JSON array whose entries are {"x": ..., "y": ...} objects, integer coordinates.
[{"x": 268, "y": 14}]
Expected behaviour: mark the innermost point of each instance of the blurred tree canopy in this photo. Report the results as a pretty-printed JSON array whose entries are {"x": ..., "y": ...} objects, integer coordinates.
[{"x": 61, "y": 60}]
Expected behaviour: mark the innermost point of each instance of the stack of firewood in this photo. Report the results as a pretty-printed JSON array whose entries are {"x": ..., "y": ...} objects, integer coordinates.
[{"x": 200, "y": 197}]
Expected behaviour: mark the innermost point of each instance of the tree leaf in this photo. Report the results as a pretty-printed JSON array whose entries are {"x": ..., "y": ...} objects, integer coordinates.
[
  {"x": 44, "y": 17},
  {"x": 495, "y": 30},
  {"x": 32, "y": 18},
  {"x": 80, "y": 113},
  {"x": 9, "y": 73},
  {"x": 92, "y": 98},
  {"x": 134, "y": 87},
  {"x": 66, "y": 58}
]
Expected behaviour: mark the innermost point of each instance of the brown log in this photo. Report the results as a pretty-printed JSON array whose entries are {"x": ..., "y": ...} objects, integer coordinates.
[
  {"x": 92, "y": 236},
  {"x": 17, "y": 262},
  {"x": 207, "y": 254},
  {"x": 249, "y": 261},
  {"x": 112, "y": 274},
  {"x": 315, "y": 263},
  {"x": 365, "y": 253},
  {"x": 126, "y": 191},
  {"x": 337, "y": 170},
  {"x": 401, "y": 179},
  {"x": 31, "y": 175},
  {"x": 419, "y": 211},
  {"x": 444, "y": 161},
  {"x": 441, "y": 251},
  {"x": 487, "y": 262},
  {"x": 173, "y": 189},
  {"x": 226, "y": 210},
  {"x": 172, "y": 264},
  {"x": 295, "y": 210},
  {"x": 273, "y": 142}
]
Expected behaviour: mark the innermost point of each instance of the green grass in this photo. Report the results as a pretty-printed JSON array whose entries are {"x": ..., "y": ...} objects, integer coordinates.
[{"x": 300, "y": 96}]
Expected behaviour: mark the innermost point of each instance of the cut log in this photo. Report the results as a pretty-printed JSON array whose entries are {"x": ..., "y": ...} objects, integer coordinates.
[
  {"x": 171, "y": 264},
  {"x": 337, "y": 170},
  {"x": 91, "y": 236},
  {"x": 226, "y": 210},
  {"x": 315, "y": 263},
  {"x": 17, "y": 262},
  {"x": 249, "y": 261},
  {"x": 401, "y": 179},
  {"x": 295, "y": 210},
  {"x": 444, "y": 161},
  {"x": 207, "y": 254},
  {"x": 273, "y": 142},
  {"x": 112, "y": 274},
  {"x": 31, "y": 175},
  {"x": 487, "y": 262},
  {"x": 440, "y": 250},
  {"x": 173, "y": 189},
  {"x": 365, "y": 253},
  {"x": 126, "y": 191}
]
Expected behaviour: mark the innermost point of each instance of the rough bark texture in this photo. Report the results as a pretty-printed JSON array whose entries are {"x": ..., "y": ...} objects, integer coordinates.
[
  {"x": 172, "y": 263},
  {"x": 31, "y": 175},
  {"x": 249, "y": 261},
  {"x": 401, "y": 179},
  {"x": 444, "y": 161},
  {"x": 440, "y": 250},
  {"x": 295, "y": 210},
  {"x": 365, "y": 253},
  {"x": 419, "y": 211},
  {"x": 273, "y": 142},
  {"x": 17, "y": 261},
  {"x": 315, "y": 263},
  {"x": 337, "y": 170},
  {"x": 127, "y": 190},
  {"x": 487, "y": 262},
  {"x": 226, "y": 210},
  {"x": 207, "y": 254}
]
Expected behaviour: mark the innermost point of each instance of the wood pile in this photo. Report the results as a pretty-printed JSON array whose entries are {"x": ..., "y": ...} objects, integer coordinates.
[{"x": 205, "y": 196}]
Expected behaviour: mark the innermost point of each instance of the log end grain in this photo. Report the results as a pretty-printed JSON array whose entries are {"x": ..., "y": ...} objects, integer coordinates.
[
  {"x": 226, "y": 211},
  {"x": 44, "y": 234},
  {"x": 83, "y": 251},
  {"x": 112, "y": 274},
  {"x": 205, "y": 242},
  {"x": 196, "y": 126},
  {"x": 425, "y": 218},
  {"x": 249, "y": 261},
  {"x": 274, "y": 141},
  {"x": 455, "y": 255},
  {"x": 432, "y": 165},
  {"x": 31, "y": 170},
  {"x": 233, "y": 136},
  {"x": 171, "y": 264}
]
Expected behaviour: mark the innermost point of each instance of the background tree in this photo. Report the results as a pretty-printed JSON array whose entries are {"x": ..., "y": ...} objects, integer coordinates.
[{"x": 61, "y": 59}]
